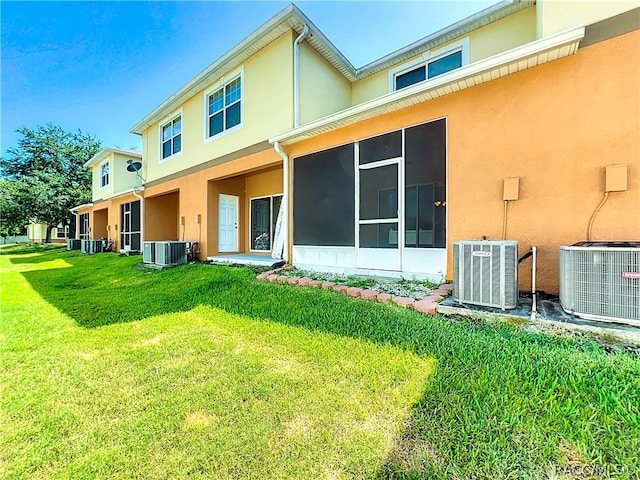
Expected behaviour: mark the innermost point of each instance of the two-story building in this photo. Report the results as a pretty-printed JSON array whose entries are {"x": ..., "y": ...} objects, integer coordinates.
[
  {"x": 499, "y": 126},
  {"x": 115, "y": 213}
]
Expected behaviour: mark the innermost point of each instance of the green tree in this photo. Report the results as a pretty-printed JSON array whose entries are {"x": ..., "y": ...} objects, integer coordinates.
[
  {"x": 46, "y": 174},
  {"x": 12, "y": 214}
]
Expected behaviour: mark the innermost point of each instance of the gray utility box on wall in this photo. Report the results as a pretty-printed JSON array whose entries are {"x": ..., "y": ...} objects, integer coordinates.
[
  {"x": 486, "y": 273},
  {"x": 91, "y": 246},
  {"x": 171, "y": 253},
  {"x": 601, "y": 281}
]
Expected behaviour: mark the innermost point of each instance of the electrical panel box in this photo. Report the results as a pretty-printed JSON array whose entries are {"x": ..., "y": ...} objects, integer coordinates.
[
  {"x": 511, "y": 188},
  {"x": 616, "y": 178}
]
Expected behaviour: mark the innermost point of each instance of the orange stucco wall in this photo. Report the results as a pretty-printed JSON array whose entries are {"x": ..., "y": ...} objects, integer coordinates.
[
  {"x": 555, "y": 127},
  {"x": 198, "y": 192},
  {"x": 161, "y": 217},
  {"x": 104, "y": 218}
]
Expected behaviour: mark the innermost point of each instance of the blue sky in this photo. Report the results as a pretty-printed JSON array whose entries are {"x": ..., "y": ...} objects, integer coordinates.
[{"x": 102, "y": 66}]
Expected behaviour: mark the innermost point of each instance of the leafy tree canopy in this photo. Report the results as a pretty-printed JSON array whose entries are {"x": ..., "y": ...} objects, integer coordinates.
[{"x": 43, "y": 177}]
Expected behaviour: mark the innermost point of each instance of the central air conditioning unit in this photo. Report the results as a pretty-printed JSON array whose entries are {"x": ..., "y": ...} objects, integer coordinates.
[
  {"x": 149, "y": 252},
  {"x": 73, "y": 244},
  {"x": 601, "y": 281},
  {"x": 171, "y": 253},
  {"x": 91, "y": 246},
  {"x": 486, "y": 273}
]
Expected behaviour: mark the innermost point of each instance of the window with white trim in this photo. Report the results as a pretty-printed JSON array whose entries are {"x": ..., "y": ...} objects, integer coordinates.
[
  {"x": 171, "y": 137},
  {"x": 62, "y": 231},
  {"x": 224, "y": 107},
  {"x": 104, "y": 174},
  {"x": 437, "y": 63}
]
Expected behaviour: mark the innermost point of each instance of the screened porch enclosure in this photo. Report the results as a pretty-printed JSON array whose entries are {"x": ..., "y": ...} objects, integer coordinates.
[
  {"x": 375, "y": 204},
  {"x": 130, "y": 222}
]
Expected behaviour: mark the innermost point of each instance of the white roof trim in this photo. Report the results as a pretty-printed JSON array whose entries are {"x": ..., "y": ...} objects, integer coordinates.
[
  {"x": 84, "y": 205},
  {"x": 292, "y": 18},
  {"x": 463, "y": 27},
  {"x": 521, "y": 58},
  {"x": 124, "y": 192},
  {"x": 98, "y": 157}
]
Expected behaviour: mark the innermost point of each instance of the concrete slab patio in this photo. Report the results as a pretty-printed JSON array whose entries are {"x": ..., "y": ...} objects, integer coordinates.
[
  {"x": 549, "y": 316},
  {"x": 244, "y": 259}
]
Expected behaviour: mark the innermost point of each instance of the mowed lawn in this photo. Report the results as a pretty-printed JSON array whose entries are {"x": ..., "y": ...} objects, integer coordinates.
[{"x": 110, "y": 370}]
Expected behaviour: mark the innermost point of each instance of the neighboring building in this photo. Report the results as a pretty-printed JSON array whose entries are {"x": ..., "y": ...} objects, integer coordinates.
[
  {"x": 116, "y": 212},
  {"x": 37, "y": 233},
  {"x": 379, "y": 169}
]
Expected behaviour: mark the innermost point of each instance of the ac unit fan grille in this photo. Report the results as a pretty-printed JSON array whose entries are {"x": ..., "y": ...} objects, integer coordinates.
[
  {"x": 486, "y": 273},
  {"x": 593, "y": 283}
]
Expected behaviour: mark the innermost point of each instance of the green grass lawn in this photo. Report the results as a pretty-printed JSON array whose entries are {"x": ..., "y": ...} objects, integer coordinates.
[{"x": 109, "y": 370}]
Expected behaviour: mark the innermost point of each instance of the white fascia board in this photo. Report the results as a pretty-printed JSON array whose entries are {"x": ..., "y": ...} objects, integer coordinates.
[
  {"x": 520, "y": 58},
  {"x": 98, "y": 157},
  {"x": 85, "y": 205},
  {"x": 291, "y": 17},
  {"x": 463, "y": 27},
  {"x": 124, "y": 192}
]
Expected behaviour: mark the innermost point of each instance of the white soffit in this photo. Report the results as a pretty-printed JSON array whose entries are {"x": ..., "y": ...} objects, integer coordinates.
[{"x": 512, "y": 61}]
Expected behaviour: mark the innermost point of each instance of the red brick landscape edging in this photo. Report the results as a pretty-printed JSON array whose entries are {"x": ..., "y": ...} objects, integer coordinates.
[{"x": 424, "y": 305}]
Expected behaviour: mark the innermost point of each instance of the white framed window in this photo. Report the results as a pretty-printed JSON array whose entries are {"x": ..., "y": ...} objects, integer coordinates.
[
  {"x": 104, "y": 174},
  {"x": 432, "y": 64},
  {"x": 264, "y": 216},
  {"x": 171, "y": 136},
  {"x": 62, "y": 231},
  {"x": 223, "y": 106}
]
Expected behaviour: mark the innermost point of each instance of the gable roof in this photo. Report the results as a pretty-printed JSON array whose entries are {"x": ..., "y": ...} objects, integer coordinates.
[
  {"x": 292, "y": 18},
  {"x": 102, "y": 154}
]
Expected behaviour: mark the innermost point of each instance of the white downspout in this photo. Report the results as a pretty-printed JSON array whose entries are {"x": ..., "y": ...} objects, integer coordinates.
[
  {"x": 296, "y": 76},
  {"x": 77, "y": 230},
  {"x": 141, "y": 217},
  {"x": 285, "y": 199}
]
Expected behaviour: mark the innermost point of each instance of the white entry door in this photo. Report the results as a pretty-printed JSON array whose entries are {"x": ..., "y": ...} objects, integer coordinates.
[{"x": 228, "y": 223}]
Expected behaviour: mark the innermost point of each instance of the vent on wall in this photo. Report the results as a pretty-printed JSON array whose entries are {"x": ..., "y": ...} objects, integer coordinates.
[
  {"x": 486, "y": 273},
  {"x": 601, "y": 281}
]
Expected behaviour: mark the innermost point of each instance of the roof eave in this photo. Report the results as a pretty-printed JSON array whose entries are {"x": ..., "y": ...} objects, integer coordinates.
[
  {"x": 290, "y": 18},
  {"x": 456, "y": 30},
  {"x": 98, "y": 157},
  {"x": 521, "y": 58}
]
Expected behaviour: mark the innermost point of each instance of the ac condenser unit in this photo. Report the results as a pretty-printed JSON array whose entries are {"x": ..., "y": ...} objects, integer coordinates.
[
  {"x": 601, "y": 281},
  {"x": 149, "y": 252},
  {"x": 171, "y": 253},
  {"x": 486, "y": 273},
  {"x": 91, "y": 246},
  {"x": 73, "y": 244}
]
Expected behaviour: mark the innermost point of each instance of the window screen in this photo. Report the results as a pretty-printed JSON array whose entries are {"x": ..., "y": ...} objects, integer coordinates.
[
  {"x": 382, "y": 147},
  {"x": 324, "y": 198},
  {"x": 425, "y": 180}
]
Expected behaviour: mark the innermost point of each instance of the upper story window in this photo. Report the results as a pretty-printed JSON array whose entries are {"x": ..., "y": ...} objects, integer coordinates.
[
  {"x": 171, "y": 137},
  {"x": 438, "y": 62},
  {"x": 224, "y": 107},
  {"x": 104, "y": 174}
]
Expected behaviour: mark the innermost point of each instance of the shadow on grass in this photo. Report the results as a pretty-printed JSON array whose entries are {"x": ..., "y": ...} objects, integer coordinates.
[{"x": 502, "y": 400}]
